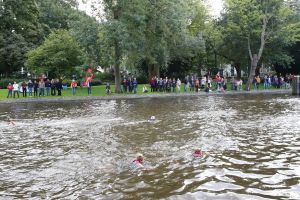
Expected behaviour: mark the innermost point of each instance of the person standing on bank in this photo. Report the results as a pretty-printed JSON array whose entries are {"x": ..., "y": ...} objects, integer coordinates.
[
  {"x": 16, "y": 89},
  {"x": 42, "y": 87},
  {"x": 73, "y": 86},
  {"x": 135, "y": 84},
  {"x": 30, "y": 86},
  {"x": 10, "y": 89},
  {"x": 35, "y": 88},
  {"x": 24, "y": 89},
  {"x": 58, "y": 86},
  {"x": 53, "y": 87},
  {"x": 48, "y": 87},
  {"x": 89, "y": 86}
]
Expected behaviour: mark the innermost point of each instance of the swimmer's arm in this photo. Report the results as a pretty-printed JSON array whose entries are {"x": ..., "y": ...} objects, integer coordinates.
[
  {"x": 205, "y": 153},
  {"x": 140, "y": 165}
]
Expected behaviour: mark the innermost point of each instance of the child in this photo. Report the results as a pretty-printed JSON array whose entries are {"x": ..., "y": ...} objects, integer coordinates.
[
  {"x": 138, "y": 162},
  {"x": 145, "y": 90},
  {"x": 107, "y": 88}
]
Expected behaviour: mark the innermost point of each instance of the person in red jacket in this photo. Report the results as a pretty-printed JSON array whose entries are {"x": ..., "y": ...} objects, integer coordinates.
[{"x": 10, "y": 89}]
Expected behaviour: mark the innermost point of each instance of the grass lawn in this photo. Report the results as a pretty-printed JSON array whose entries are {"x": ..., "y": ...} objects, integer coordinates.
[
  {"x": 100, "y": 91},
  {"x": 81, "y": 91}
]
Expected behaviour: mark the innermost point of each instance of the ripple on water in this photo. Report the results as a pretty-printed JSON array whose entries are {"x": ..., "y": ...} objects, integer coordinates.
[{"x": 84, "y": 150}]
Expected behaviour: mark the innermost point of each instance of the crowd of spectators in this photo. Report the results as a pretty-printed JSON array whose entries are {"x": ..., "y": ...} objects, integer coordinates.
[
  {"x": 36, "y": 88},
  {"x": 45, "y": 87}
]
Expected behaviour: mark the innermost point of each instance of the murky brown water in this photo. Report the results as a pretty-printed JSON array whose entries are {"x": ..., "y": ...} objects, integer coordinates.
[{"x": 83, "y": 150}]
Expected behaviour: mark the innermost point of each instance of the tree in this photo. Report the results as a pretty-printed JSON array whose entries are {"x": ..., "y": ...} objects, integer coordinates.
[
  {"x": 166, "y": 35},
  {"x": 20, "y": 32},
  {"x": 85, "y": 30},
  {"x": 148, "y": 32},
  {"x": 259, "y": 24},
  {"x": 56, "y": 14},
  {"x": 124, "y": 32},
  {"x": 204, "y": 25},
  {"x": 57, "y": 56}
]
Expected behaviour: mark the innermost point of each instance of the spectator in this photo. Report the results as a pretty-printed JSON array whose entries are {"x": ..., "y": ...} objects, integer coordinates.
[
  {"x": 10, "y": 89},
  {"x": 42, "y": 87},
  {"x": 24, "y": 89},
  {"x": 30, "y": 86},
  {"x": 74, "y": 86},
  {"x": 178, "y": 84},
  {"x": 35, "y": 88},
  {"x": 58, "y": 86},
  {"x": 174, "y": 85},
  {"x": 53, "y": 87},
  {"x": 107, "y": 88},
  {"x": 254, "y": 82},
  {"x": 135, "y": 85},
  {"x": 145, "y": 90},
  {"x": 16, "y": 89},
  {"x": 89, "y": 86},
  {"x": 48, "y": 87},
  {"x": 257, "y": 81},
  {"x": 197, "y": 84}
]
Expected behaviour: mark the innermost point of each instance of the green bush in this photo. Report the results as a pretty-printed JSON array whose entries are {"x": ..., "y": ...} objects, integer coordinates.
[
  {"x": 142, "y": 79},
  {"x": 103, "y": 78}
]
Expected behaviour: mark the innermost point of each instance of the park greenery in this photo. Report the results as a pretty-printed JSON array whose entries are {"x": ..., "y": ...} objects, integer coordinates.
[{"x": 147, "y": 38}]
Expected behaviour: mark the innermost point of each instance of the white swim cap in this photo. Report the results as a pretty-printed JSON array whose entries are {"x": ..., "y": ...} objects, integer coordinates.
[
  {"x": 152, "y": 118},
  {"x": 139, "y": 155}
]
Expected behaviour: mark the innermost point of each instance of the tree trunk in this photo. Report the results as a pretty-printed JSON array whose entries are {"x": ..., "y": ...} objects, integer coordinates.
[
  {"x": 238, "y": 70},
  {"x": 254, "y": 63},
  {"x": 117, "y": 68},
  {"x": 255, "y": 58},
  {"x": 118, "y": 56},
  {"x": 153, "y": 70}
]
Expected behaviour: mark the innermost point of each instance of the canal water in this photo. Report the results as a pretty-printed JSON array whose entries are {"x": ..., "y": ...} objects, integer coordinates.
[{"x": 84, "y": 149}]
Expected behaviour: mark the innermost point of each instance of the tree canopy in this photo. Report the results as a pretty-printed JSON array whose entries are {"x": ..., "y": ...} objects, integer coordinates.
[
  {"x": 147, "y": 37},
  {"x": 58, "y": 55}
]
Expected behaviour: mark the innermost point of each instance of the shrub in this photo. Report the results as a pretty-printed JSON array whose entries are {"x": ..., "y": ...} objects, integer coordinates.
[
  {"x": 142, "y": 79},
  {"x": 104, "y": 77}
]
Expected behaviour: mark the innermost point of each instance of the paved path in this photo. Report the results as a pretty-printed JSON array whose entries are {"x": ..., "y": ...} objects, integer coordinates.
[{"x": 141, "y": 96}]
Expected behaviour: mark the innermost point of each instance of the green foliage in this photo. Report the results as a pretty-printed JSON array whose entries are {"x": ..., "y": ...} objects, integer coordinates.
[
  {"x": 203, "y": 26},
  {"x": 4, "y": 82},
  {"x": 58, "y": 55},
  {"x": 55, "y": 14},
  {"x": 20, "y": 32},
  {"x": 152, "y": 33},
  {"x": 244, "y": 20},
  {"x": 144, "y": 36},
  {"x": 104, "y": 77},
  {"x": 85, "y": 30}
]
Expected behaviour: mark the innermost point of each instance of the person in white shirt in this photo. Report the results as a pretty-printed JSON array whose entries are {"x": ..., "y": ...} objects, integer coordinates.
[
  {"x": 178, "y": 84},
  {"x": 16, "y": 89},
  {"x": 203, "y": 82}
]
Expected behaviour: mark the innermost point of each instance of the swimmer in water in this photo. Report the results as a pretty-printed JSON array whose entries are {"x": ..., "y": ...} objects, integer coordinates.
[
  {"x": 152, "y": 119},
  {"x": 198, "y": 153},
  {"x": 139, "y": 160}
]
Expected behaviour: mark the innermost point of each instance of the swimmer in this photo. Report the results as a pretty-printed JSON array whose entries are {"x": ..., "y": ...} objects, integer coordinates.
[
  {"x": 152, "y": 119},
  {"x": 198, "y": 153},
  {"x": 139, "y": 160},
  {"x": 10, "y": 122}
]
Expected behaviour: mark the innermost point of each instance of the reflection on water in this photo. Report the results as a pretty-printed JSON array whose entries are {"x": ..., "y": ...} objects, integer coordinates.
[{"x": 84, "y": 149}]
